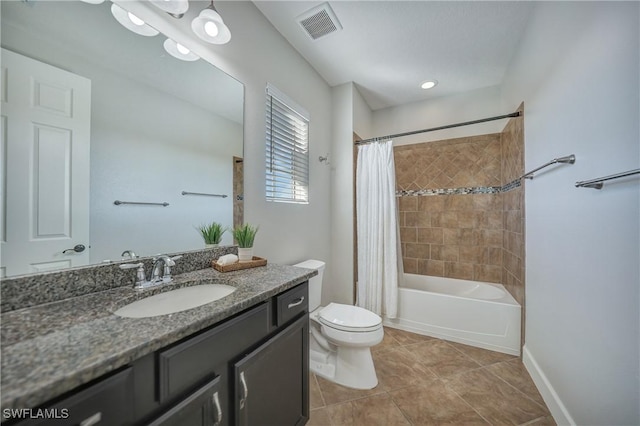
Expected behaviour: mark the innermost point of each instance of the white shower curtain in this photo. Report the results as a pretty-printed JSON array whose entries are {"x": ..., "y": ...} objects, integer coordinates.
[{"x": 378, "y": 232}]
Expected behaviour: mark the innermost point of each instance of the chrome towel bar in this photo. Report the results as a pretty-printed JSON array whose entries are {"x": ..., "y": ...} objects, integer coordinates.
[
  {"x": 569, "y": 159},
  {"x": 119, "y": 203},
  {"x": 202, "y": 193},
  {"x": 598, "y": 183}
]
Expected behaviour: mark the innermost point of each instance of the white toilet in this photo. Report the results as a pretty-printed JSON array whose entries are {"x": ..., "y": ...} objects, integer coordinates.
[{"x": 341, "y": 337}]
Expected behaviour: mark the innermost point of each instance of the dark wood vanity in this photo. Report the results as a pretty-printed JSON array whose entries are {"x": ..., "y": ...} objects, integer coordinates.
[{"x": 249, "y": 369}]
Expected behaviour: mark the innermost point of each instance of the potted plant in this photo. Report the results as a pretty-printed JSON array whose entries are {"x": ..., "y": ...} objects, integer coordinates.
[
  {"x": 244, "y": 236},
  {"x": 212, "y": 233}
]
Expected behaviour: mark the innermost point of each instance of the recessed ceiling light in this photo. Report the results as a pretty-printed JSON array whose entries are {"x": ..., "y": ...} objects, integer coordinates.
[{"x": 429, "y": 84}]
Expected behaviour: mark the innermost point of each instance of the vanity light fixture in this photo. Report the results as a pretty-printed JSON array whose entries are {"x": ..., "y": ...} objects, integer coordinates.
[
  {"x": 177, "y": 50},
  {"x": 176, "y": 8},
  {"x": 429, "y": 84},
  {"x": 210, "y": 27},
  {"x": 132, "y": 22}
]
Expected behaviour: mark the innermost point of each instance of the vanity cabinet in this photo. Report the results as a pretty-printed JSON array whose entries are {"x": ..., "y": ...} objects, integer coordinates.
[
  {"x": 250, "y": 369},
  {"x": 107, "y": 401},
  {"x": 271, "y": 382}
]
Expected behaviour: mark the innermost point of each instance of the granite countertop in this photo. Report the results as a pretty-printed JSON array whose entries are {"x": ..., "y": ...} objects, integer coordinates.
[{"x": 52, "y": 348}]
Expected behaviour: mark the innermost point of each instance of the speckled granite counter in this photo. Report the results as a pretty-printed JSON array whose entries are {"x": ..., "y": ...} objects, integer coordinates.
[{"x": 52, "y": 348}]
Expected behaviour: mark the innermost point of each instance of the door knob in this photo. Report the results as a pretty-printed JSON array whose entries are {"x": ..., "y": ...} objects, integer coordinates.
[{"x": 79, "y": 248}]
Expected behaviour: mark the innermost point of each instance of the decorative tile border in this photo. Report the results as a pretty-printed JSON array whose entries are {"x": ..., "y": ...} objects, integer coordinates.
[{"x": 461, "y": 191}]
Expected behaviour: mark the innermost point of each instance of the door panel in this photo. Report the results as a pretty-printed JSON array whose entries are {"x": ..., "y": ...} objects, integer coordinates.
[
  {"x": 272, "y": 382},
  {"x": 45, "y": 147}
]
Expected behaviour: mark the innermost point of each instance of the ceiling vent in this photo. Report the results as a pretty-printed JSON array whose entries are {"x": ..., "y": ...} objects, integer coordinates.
[{"x": 319, "y": 21}]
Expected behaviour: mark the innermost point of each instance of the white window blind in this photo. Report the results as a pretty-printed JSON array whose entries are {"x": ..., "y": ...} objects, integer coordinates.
[{"x": 287, "y": 159}]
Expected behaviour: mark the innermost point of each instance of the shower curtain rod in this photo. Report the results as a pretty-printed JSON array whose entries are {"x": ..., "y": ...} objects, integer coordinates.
[{"x": 449, "y": 126}]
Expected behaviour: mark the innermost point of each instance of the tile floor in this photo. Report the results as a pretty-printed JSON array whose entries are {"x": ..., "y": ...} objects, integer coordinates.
[{"x": 424, "y": 381}]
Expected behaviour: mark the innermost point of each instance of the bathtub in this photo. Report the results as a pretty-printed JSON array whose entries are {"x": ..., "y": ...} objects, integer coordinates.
[{"x": 475, "y": 313}]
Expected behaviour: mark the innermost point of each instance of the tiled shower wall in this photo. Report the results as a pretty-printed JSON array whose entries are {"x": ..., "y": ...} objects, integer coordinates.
[
  {"x": 513, "y": 260},
  {"x": 477, "y": 231},
  {"x": 456, "y": 236}
]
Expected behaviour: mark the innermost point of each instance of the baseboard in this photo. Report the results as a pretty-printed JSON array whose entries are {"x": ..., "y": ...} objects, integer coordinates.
[{"x": 551, "y": 398}]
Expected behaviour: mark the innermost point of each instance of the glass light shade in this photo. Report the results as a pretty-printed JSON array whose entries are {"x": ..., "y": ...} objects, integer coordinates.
[
  {"x": 122, "y": 16},
  {"x": 203, "y": 26},
  {"x": 174, "y": 7},
  {"x": 429, "y": 84},
  {"x": 179, "y": 51},
  {"x": 93, "y": 1}
]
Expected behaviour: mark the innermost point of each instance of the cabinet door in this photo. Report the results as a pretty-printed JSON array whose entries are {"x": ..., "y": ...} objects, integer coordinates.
[
  {"x": 272, "y": 382},
  {"x": 201, "y": 408},
  {"x": 107, "y": 402}
]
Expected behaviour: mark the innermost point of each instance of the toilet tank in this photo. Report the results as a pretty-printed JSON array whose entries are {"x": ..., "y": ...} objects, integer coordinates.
[{"x": 315, "y": 283}]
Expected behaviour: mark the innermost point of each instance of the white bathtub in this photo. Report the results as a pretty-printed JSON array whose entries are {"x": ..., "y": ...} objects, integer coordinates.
[{"x": 470, "y": 312}]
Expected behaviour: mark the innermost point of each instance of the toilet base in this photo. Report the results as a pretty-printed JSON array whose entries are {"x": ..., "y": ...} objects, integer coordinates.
[{"x": 350, "y": 367}]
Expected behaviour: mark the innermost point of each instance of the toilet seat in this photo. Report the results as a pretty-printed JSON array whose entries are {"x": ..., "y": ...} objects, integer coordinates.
[{"x": 349, "y": 318}]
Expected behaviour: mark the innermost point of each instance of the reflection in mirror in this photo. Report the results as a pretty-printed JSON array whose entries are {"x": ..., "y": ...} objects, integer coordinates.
[{"x": 93, "y": 113}]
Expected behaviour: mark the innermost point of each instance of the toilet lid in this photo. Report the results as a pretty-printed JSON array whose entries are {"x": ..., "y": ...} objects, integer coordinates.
[{"x": 349, "y": 318}]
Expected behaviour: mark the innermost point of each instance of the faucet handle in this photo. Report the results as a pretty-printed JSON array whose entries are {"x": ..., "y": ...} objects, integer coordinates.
[
  {"x": 168, "y": 263},
  {"x": 140, "y": 275}
]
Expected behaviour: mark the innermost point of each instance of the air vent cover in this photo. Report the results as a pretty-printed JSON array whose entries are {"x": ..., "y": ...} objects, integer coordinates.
[{"x": 319, "y": 21}]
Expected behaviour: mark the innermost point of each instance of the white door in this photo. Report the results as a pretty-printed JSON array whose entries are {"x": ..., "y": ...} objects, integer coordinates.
[{"x": 45, "y": 133}]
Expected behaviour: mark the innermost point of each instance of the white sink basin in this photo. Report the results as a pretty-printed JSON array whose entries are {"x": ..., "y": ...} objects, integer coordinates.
[{"x": 177, "y": 300}]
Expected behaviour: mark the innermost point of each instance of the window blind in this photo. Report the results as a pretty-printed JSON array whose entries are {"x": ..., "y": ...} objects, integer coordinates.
[{"x": 287, "y": 149}]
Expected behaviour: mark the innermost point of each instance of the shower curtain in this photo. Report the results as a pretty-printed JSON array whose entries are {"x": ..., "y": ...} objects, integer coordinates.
[{"x": 378, "y": 229}]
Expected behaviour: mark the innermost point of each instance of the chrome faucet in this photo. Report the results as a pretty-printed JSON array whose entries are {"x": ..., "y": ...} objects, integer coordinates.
[
  {"x": 160, "y": 272},
  {"x": 129, "y": 253}
]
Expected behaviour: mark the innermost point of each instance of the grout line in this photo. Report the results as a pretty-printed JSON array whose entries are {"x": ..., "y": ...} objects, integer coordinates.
[
  {"x": 315, "y": 379},
  {"x": 532, "y": 421},
  {"x": 466, "y": 402},
  {"x": 521, "y": 392}
]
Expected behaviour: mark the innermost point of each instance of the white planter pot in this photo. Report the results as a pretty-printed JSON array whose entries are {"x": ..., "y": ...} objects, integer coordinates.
[
  {"x": 210, "y": 245},
  {"x": 245, "y": 254}
]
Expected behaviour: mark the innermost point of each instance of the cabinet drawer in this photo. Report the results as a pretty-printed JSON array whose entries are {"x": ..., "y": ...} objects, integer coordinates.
[
  {"x": 202, "y": 407},
  {"x": 291, "y": 303},
  {"x": 185, "y": 365},
  {"x": 107, "y": 402}
]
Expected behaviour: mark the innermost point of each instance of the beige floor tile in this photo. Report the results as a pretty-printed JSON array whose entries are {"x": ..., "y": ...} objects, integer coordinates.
[
  {"x": 334, "y": 393},
  {"x": 434, "y": 404},
  {"x": 319, "y": 417},
  {"x": 514, "y": 373},
  {"x": 377, "y": 410},
  {"x": 495, "y": 400},
  {"x": 397, "y": 368},
  {"x": 388, "y": 342},
  {"x": 544, "y": 421},
  {"x": 442, "y": 358},
  {"x": 482, "y": 356},
  {"x": 315, "y": 396},
  {"x": 427, "y": 381},
  {"x": 405, "y": 337}
]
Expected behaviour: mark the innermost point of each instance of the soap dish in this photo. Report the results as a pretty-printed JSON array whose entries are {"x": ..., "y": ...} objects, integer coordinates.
[{"x": 255, "y": 262}]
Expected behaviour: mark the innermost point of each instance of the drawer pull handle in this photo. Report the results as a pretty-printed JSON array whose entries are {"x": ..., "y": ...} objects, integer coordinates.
[
  {"x": 216, "y": 403},
  {"x": 93, "y": 420},
  {"x": 245, "y": 391},
  {"x": 296, "y": 303}
]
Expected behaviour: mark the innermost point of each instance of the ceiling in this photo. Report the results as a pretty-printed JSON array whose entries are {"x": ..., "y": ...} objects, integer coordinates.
[{"x": 388, "y": 48}]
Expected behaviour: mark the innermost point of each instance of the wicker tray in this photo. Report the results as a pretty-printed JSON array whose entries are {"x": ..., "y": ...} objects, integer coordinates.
[{"x": 257, "y": 261}]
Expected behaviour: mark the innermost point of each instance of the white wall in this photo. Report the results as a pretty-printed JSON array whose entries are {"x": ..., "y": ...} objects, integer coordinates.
[
  {"x": 350, "y": 114},
  {"x": 436, "y": 112},
  {"x": 258, "y": 54},
  {"x": 150, "y": 146},
  {"x": 577, "y": 72}
]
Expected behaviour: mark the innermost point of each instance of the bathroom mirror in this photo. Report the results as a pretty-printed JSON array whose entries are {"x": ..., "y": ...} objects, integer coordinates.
[{"x": 155, "y": 127}]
